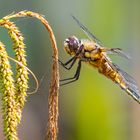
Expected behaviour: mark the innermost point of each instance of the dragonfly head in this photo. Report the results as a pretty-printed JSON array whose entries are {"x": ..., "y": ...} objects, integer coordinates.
[{"x": 71, "y": 45}]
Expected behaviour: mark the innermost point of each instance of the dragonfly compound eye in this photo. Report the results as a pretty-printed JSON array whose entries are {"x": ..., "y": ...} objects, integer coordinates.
[{"x": 71, "y": 45}]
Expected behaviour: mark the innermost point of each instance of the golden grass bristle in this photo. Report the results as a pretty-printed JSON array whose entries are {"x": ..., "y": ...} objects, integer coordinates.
[
  {"x": 52, "y": 126},
  {"x": 30, "y": 72},
  {"x": 11, "y": 114},
  {"x": 21, "y": 82}
]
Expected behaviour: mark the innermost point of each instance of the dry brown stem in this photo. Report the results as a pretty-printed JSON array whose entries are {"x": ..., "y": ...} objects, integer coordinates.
[{"x": 52, "y": 126}]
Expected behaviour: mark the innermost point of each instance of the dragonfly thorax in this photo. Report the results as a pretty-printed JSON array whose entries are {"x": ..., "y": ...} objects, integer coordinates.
[{"x": 71, "y": 45}]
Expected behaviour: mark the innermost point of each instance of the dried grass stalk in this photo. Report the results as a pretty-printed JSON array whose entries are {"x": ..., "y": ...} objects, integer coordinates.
[{"x": 52, "y": 126}]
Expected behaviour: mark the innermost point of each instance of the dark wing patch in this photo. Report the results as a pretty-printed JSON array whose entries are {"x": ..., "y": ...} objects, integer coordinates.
[
  {"x": 119, "y": 52},
  {"x": 131, "y": 85},
  {"x": 86, "y": 31}
]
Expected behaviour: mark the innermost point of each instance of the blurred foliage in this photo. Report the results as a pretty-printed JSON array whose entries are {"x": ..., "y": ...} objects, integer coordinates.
[{"x": 93, "y": 108}]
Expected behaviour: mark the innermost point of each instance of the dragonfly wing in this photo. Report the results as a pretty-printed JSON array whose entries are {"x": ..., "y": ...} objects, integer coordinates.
[
  {"x": 131, "y": 85},
  {"x": 87, "y": 32},
  {"x": 124, "y": 80},
  {"x": 119, "y": 52}
]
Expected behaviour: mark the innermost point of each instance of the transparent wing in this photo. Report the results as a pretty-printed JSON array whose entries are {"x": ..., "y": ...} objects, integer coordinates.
[
  {"x": 87, "y": 32},
  {"x": 130, "y": 84},
  {"x": 119, "y": 52}
]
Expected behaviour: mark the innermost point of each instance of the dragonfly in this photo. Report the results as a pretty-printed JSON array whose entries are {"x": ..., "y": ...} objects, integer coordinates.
[{"x": 92, "y": 52}]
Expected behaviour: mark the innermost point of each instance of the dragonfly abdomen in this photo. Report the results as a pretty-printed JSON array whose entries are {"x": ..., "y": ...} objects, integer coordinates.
[{"x": 127, "y": 84}]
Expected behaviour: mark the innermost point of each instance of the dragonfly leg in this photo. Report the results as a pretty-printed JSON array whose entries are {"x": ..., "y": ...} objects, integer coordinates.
[
  {"x": 75, "y": 77},
  {"x": 72, "y": 61}
]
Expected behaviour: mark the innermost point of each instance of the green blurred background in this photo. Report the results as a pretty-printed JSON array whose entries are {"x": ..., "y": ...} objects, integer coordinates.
[{"x": 93, "y": 108}]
